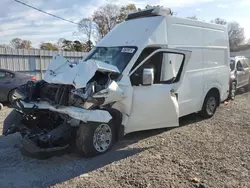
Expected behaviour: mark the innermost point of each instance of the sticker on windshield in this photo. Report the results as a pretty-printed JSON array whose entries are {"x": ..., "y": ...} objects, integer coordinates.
[{"x": 128, "y": 50}]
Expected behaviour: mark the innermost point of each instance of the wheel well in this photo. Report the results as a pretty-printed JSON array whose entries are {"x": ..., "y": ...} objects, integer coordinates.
[
  {"x": 117, "y": 121},
  {"x": 217, "y": 93}
]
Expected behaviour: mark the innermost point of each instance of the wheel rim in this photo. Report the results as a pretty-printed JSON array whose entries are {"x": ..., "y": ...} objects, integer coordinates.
[
  {"x": 211, "y": 105},
  {"x": 233, "y": 91},
  {"x": 12, "y": 98},
  {"x": 102, "y": 137}
]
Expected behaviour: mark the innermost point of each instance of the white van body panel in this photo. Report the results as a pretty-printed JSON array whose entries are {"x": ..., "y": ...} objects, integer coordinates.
[
  {"x": 207, "y": 68},
  {"x": 208, "y": 65}
]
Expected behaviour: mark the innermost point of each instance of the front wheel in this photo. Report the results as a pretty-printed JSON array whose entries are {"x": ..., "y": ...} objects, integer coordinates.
[
  {"x": 210, "y": 105},
  {"x": 232, "y": 91},
  {"x": 95, "y": 138}
]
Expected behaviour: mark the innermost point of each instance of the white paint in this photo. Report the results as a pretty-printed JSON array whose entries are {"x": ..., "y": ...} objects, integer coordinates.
[
  {"x": 74, "y": 112},
  {"x": 208, "y": 67},
  {"x": 111, "y": 94},
  {"x": 61, "y": 71}
]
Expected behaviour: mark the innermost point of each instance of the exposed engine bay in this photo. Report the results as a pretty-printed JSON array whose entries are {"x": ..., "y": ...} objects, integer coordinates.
[{"x": 49, "y": 111}]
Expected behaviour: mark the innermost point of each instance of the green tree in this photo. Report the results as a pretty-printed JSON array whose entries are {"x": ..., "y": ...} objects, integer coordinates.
[
  {"x": 125, "y": 10},
  {"x": 48, "y": 46}
]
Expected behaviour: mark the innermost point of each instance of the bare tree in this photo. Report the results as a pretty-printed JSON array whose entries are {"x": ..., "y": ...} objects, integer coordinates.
[
  {"x": 87, "y": 27},
  {"x": 60, "y": 43},
  {"x": 236, "y": 34},
  {"x": 219, "y": 21},
  {"x": 106, "y": 18},
  {"x": 18, "y": 43}
]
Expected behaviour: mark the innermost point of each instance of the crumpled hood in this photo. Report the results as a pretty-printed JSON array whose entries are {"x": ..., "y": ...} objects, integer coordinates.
[{"x": 61, "y": 71}]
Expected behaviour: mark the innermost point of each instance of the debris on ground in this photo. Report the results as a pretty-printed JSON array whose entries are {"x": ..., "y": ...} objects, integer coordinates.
[{"x": 216, "y": 151}]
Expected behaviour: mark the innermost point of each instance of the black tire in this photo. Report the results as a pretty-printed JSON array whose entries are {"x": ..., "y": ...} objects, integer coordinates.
[
  {"x": 13, "y": 118},
  {"x": 85, "y": 138},
  {"x": 29, "y": 149},
  {"x": 206, "y": 111},
  {"x": 10, "y": 96},
  {"x": 232, "y": 92}
]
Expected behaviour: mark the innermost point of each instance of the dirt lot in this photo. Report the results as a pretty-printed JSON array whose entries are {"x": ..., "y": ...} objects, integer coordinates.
[{"x": 200, "y": 153}]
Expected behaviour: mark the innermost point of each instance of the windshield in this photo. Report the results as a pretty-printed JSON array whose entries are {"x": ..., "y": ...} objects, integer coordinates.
[
  {"x": 232, "y": 65},
  {"x": 118, "y": 56}
]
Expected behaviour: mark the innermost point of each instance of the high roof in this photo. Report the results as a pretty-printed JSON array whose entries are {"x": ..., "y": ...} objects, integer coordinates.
[{"x": 158, "y": 11}]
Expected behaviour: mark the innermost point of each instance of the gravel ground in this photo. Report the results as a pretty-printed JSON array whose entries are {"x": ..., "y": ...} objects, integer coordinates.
[{"x": 200, "y": 153}]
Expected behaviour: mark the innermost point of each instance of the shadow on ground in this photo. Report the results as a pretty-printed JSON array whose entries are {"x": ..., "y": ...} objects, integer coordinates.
[{"x": 19, "y": 171}]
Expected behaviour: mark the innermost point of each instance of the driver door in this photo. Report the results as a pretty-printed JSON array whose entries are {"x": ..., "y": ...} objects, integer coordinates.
[{"x": 155, "y": 83}]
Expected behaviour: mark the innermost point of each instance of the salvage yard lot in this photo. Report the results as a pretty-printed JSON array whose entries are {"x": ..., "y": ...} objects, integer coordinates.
[{"x": 200, "y": 153}]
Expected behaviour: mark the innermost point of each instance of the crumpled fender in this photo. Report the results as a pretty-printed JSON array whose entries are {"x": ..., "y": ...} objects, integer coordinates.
[
  {"x": 112, "y": 93},
  {"x": 74, "y": 112}
]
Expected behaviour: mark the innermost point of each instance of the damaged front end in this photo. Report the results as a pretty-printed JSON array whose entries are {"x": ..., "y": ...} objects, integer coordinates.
[{"x": 51, "y": 110}]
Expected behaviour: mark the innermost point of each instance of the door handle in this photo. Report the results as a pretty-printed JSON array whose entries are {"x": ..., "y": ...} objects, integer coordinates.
[{"x": 7, "y": 82}]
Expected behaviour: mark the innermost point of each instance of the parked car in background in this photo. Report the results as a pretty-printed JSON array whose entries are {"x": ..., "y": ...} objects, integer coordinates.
[
  {"x": 240, "y": 74},
  {"x": 9, "y": 80}
]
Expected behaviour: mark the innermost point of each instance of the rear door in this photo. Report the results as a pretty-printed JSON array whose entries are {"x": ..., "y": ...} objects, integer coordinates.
[
  {"x": 240, "y": 74},
  {"x": 156, "y": 105}
]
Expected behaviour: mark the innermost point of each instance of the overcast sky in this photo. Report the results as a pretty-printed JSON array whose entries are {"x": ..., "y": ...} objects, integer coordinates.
[{"x": 17, "y": 20}]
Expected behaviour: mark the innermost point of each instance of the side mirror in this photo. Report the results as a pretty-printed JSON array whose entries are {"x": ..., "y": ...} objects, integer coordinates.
[{"x": 148, "y": 76}]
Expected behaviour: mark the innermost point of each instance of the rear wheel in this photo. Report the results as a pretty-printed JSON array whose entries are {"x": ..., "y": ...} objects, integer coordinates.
[
  {"x": 95, "y": 138},
  {"x": 210, "y": 104}
]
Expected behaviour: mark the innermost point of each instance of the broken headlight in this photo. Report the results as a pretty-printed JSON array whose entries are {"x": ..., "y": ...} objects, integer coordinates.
[{"x": 88, "y": 105}]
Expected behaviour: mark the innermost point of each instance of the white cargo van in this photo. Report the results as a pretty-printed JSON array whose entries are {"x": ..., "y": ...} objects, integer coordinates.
[
  {"x": 191, "y": 68},
  {"x": 146, "y": 73}
]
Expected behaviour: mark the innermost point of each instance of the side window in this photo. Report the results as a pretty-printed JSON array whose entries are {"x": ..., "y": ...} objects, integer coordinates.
[
  {"x": 239, "y": 66},
  {"x": 165, "y": 66},
  {"x": 248, "y": 62},
  {"x": 2, "y": 74},
  {"x": 171, "y": 65},
  {"x": 9, "y": 75},
  {"x": 244, "y": 63}
]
